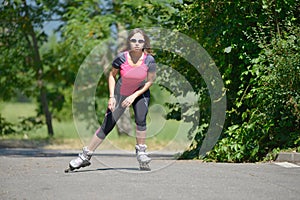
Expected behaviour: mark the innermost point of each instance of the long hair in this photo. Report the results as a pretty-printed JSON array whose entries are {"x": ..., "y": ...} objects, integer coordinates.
[{"x": 147, "y": 46}]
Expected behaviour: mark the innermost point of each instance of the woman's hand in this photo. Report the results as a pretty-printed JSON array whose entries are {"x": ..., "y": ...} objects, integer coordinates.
[
  {"x": 128, "y": 101},
  {"x": 112, "y": 103}
]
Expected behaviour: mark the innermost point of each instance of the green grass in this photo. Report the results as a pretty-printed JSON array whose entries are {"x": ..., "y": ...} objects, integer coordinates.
[
  {"x": 162, "y": 134},
  {"x": 13, "y": 111}
]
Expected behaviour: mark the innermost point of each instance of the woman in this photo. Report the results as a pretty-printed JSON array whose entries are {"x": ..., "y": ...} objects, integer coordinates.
[{"x": 137, "y": 70}]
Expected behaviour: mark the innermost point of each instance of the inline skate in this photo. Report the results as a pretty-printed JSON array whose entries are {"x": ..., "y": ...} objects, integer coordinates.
[
  {"x": 142, "y": 157},
  {"x": 82, "y": 160}
]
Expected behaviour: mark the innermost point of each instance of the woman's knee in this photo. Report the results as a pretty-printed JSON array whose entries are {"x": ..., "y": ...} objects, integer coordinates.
[{"x": 141, "y": 126}]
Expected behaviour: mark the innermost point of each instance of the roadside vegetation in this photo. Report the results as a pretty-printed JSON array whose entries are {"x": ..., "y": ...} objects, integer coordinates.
[{"x": 254, "y": 44}]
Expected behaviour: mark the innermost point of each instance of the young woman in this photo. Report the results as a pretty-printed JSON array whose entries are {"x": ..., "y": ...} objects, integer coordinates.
[{"x": 137, "y": 70}]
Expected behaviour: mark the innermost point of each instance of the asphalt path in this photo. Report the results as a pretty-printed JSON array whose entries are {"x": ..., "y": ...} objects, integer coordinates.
[{"x": 114, "y": 175}]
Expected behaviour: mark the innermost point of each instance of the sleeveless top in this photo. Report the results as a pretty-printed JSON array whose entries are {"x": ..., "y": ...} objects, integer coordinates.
[{"x": 132, "y": 77}]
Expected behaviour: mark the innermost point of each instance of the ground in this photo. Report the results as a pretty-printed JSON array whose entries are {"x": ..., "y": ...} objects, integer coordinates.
[{"x": 39, "y": 174}]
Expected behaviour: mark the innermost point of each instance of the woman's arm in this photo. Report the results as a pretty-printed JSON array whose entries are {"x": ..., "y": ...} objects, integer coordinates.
[
  {"x": 111, "y": 86},
  {"x": 150, "y": 79}
]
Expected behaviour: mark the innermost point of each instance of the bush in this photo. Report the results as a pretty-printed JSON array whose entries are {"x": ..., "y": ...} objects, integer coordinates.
[
  {"x": 268, "y": 106},
  {"x": 6, "y": 127}
]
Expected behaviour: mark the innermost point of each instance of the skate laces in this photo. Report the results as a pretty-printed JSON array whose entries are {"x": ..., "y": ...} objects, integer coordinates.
[
  {"x": 86, "y": 154},
  {"x": 140, "y": 149},
  {"x": 141, "y": 152}
]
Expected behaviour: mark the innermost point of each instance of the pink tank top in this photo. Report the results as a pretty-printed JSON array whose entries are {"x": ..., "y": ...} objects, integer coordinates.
[{"x": 132, "y": 77}]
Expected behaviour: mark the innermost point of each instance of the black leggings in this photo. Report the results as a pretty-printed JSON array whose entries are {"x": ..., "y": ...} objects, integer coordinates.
[{"x": 140, "y": 107}]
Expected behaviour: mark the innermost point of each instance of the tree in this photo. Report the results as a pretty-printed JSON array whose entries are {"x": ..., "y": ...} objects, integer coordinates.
[
  {"x": 23, "y": 66},
  {"x": 89, "y": 24},
  {"x": 237, "y": 35},
  {"x": 34, "y": 61}
]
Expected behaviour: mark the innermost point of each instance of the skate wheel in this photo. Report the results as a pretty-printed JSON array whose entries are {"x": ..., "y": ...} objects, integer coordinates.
[
  {"x": 144, "y": 167},
  {"x": 67, "y": 170}
]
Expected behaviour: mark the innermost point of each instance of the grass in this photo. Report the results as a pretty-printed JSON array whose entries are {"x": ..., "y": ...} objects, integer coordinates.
[{"x": 162, "y": 134}]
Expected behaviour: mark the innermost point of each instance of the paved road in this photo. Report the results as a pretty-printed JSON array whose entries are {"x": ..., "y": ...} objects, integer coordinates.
[{"x": 39, "y": 174}]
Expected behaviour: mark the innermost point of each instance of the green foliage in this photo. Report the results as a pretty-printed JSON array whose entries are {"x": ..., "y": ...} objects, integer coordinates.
[
  {"x": 218, "y": 27},
  {"x": 255, "y": 46},
  {"x": 87, "y": 25},
  {"x": 145, "y": 13},
  {"x": 271, "y": 101},
  {"x": 6, "y": 127},
  {"x": 28, "y": 124},
  {"x": 14, "y": 72}
]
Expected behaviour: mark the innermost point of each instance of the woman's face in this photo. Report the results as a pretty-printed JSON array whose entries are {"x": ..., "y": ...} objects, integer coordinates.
[{"x": 137, "y": 42}]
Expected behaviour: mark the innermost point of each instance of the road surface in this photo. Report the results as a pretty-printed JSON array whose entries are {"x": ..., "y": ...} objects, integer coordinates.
[{"x": 39, "y": 174}]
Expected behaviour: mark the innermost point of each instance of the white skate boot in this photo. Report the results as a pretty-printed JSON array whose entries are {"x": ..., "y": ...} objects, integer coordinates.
[
  {"x": 142, "y": 157},
  {"x": 82, "y": 160}
]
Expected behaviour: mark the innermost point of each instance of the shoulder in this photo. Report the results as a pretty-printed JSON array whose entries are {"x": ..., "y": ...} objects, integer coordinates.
[
  {"x": 150, "y": 62},
  {"x": 149, "y": 58},
  {"x": 119, "y": 60}
]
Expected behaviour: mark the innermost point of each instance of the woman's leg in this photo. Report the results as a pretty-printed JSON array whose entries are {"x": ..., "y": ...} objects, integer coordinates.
[
  {"x": 140, "y": 107},
  {"x": 141, "y": 137},
  {"x": 94, "y": 143},
  {"x": 108, "y": 124}
]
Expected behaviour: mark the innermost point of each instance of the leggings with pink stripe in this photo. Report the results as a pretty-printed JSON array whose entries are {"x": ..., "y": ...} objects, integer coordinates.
[{"x": 140, "y": 107}]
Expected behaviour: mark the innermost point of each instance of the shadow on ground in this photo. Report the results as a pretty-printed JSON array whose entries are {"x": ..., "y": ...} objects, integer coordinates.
[{"x": 106, "y": 169}]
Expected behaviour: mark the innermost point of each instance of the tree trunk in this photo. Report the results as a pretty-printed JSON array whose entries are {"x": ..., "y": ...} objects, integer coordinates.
[
  {"x": 47, "y": 113},
  {"x": 39, "y": 67},
  {"x": 124, "y": 126}
]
